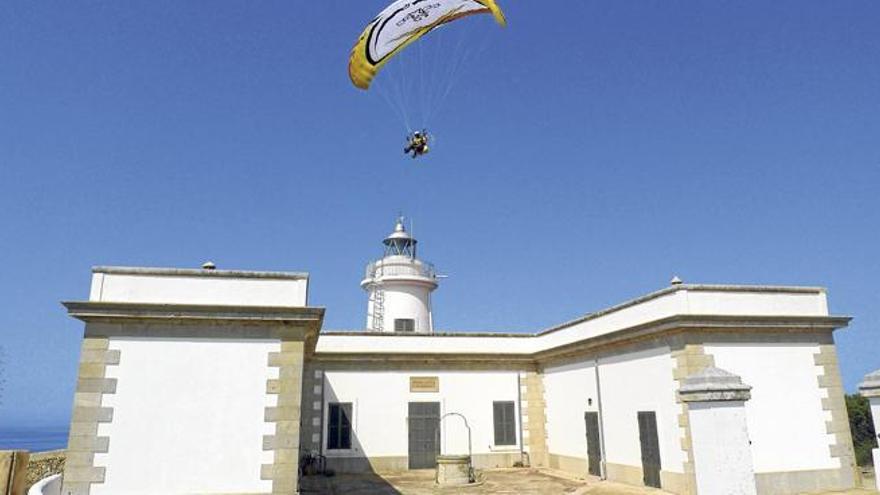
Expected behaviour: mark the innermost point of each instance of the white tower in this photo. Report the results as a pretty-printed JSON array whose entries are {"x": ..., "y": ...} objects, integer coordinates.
[{"x": 400, "y": 287}]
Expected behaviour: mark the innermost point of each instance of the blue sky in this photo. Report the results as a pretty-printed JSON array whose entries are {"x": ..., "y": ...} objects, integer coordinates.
[{"x": 588, "y": 152}]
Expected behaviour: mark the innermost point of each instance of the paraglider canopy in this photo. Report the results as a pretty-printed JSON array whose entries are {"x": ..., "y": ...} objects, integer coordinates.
[{"x": 402, "y": 23}]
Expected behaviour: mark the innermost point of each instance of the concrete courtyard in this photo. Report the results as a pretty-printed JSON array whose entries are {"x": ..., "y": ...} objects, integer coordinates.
[{"x": 496, "y": 481}]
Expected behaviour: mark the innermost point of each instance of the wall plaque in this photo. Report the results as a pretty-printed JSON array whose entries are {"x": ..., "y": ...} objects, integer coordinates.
[{"x": 424, "y": 384}]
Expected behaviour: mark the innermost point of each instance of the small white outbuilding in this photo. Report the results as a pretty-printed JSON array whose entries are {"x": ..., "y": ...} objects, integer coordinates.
[{"x": 218, "y": 381}]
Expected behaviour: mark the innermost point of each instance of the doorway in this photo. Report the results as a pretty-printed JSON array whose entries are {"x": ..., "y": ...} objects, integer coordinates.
[
  {"x": 650, "y": 448},
  {"x": 594, "y": 453},
  {"x": 424, "y": 438}
]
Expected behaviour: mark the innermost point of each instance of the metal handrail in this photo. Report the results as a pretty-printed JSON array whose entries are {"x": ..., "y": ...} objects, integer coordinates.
[{"x": 390, "y": 268}]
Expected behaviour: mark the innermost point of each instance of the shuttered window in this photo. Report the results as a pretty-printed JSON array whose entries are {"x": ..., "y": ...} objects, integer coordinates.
[
  {"x": 339, "y": 426},
  {"x": 505, "y": 423},
  {"x": 404, "y": 325}
]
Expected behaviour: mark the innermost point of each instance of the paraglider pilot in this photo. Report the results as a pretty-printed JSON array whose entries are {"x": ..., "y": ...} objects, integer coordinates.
[{"x": 417, "y": 144}]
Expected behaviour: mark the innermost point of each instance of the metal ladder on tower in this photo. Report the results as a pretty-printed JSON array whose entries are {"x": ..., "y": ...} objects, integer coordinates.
[{"x": 378, "y": 308}]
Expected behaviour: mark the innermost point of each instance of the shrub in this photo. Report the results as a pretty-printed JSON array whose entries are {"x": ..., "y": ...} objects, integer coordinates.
[{"x": 862, "y": 428}]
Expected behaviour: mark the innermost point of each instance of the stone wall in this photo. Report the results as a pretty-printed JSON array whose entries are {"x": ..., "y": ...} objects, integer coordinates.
[
  {"x": 13, "y": 472},
  {"x": 286, "y": 415},
  {"x": 45, "y": 464},
  {"x": 82, "y": 444},
  {"x": 535, "y": 418}
]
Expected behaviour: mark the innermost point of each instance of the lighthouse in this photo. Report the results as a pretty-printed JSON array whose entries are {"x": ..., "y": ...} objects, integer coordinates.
[{"x": 399, "y": 287}]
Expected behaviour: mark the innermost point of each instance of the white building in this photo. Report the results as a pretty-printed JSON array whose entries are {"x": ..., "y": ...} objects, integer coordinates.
[{"x": 214, "y": 381}]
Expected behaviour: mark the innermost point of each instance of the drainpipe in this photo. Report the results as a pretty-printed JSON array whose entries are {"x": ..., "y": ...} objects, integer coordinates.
[
  {"x": 522, "y": 454},
  {"x": 603, "y": 473},
  {"x": 323, "y": 425}
]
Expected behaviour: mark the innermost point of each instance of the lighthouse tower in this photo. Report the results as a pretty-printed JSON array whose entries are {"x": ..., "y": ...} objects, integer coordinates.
[{"x": 400, "y": 286}]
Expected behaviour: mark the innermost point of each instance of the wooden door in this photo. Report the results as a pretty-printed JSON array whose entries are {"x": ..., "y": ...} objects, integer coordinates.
[
  {"x": 650, "y": 448},
  {"x": 424, "y": 426},
  {"x": 594, "y": 453}
]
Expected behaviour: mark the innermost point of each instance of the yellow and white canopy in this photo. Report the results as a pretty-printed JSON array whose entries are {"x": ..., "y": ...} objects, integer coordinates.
[{"x": 402, "y": 23}]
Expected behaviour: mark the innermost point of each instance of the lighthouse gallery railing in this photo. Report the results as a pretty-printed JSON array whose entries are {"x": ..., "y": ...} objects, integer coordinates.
[{"x": 388, "y": 267}]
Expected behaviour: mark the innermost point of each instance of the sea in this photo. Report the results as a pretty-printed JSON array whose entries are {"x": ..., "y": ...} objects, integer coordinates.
[{"x": 33, "y": 439}]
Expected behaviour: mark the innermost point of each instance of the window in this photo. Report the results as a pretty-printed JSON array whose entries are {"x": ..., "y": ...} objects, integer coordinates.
[
  {"x": 404, "y": 325},
  {"x": 505, "y": 423},
  {"x": 339, "y": 426}
]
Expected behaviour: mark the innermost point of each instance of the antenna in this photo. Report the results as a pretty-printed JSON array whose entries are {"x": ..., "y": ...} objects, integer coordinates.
[{"x": 412, "y": 233}]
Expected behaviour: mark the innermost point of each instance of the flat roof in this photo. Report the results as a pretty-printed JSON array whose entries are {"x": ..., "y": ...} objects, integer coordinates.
[
  {"x": 779, "y": 289},
  {"x": 442, "y": 333},
  {"x": 199, "y": 272},
  {"x": 722, "y": 307}
]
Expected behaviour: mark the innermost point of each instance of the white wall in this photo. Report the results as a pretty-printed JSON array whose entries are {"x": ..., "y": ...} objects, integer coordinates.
[
  {"x": 188, "y": 417},
  {"x": 875, "y": 453},
  {"x": 380, "y": 408},
  {"x": 683, "y": 300},
  {"x": 407, "y": 301},
  {"x": 691, "y": 300},
  {"x": 745, "y": 302},
  {"x": 438, "y": 344},
  {"x": 167, "y": 286},
  {"x": 650, "y": 309},
  {"x": 567, "y": 390},
  {"x": 722, "y": 456},
  {"x": 51, "y": 485},
  {"x": 875, "y": 414},
  {"x": 785, "y": 416},
  {"x": 632, "y": 382}
]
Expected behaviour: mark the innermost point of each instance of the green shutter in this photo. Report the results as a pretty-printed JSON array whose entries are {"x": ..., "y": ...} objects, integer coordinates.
[
  {"x": 504, "y": 422},
  {"x": 333, "y": 427},
  {"x": 339, "y": 426},
  {"x": 345, "y": 427}
]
